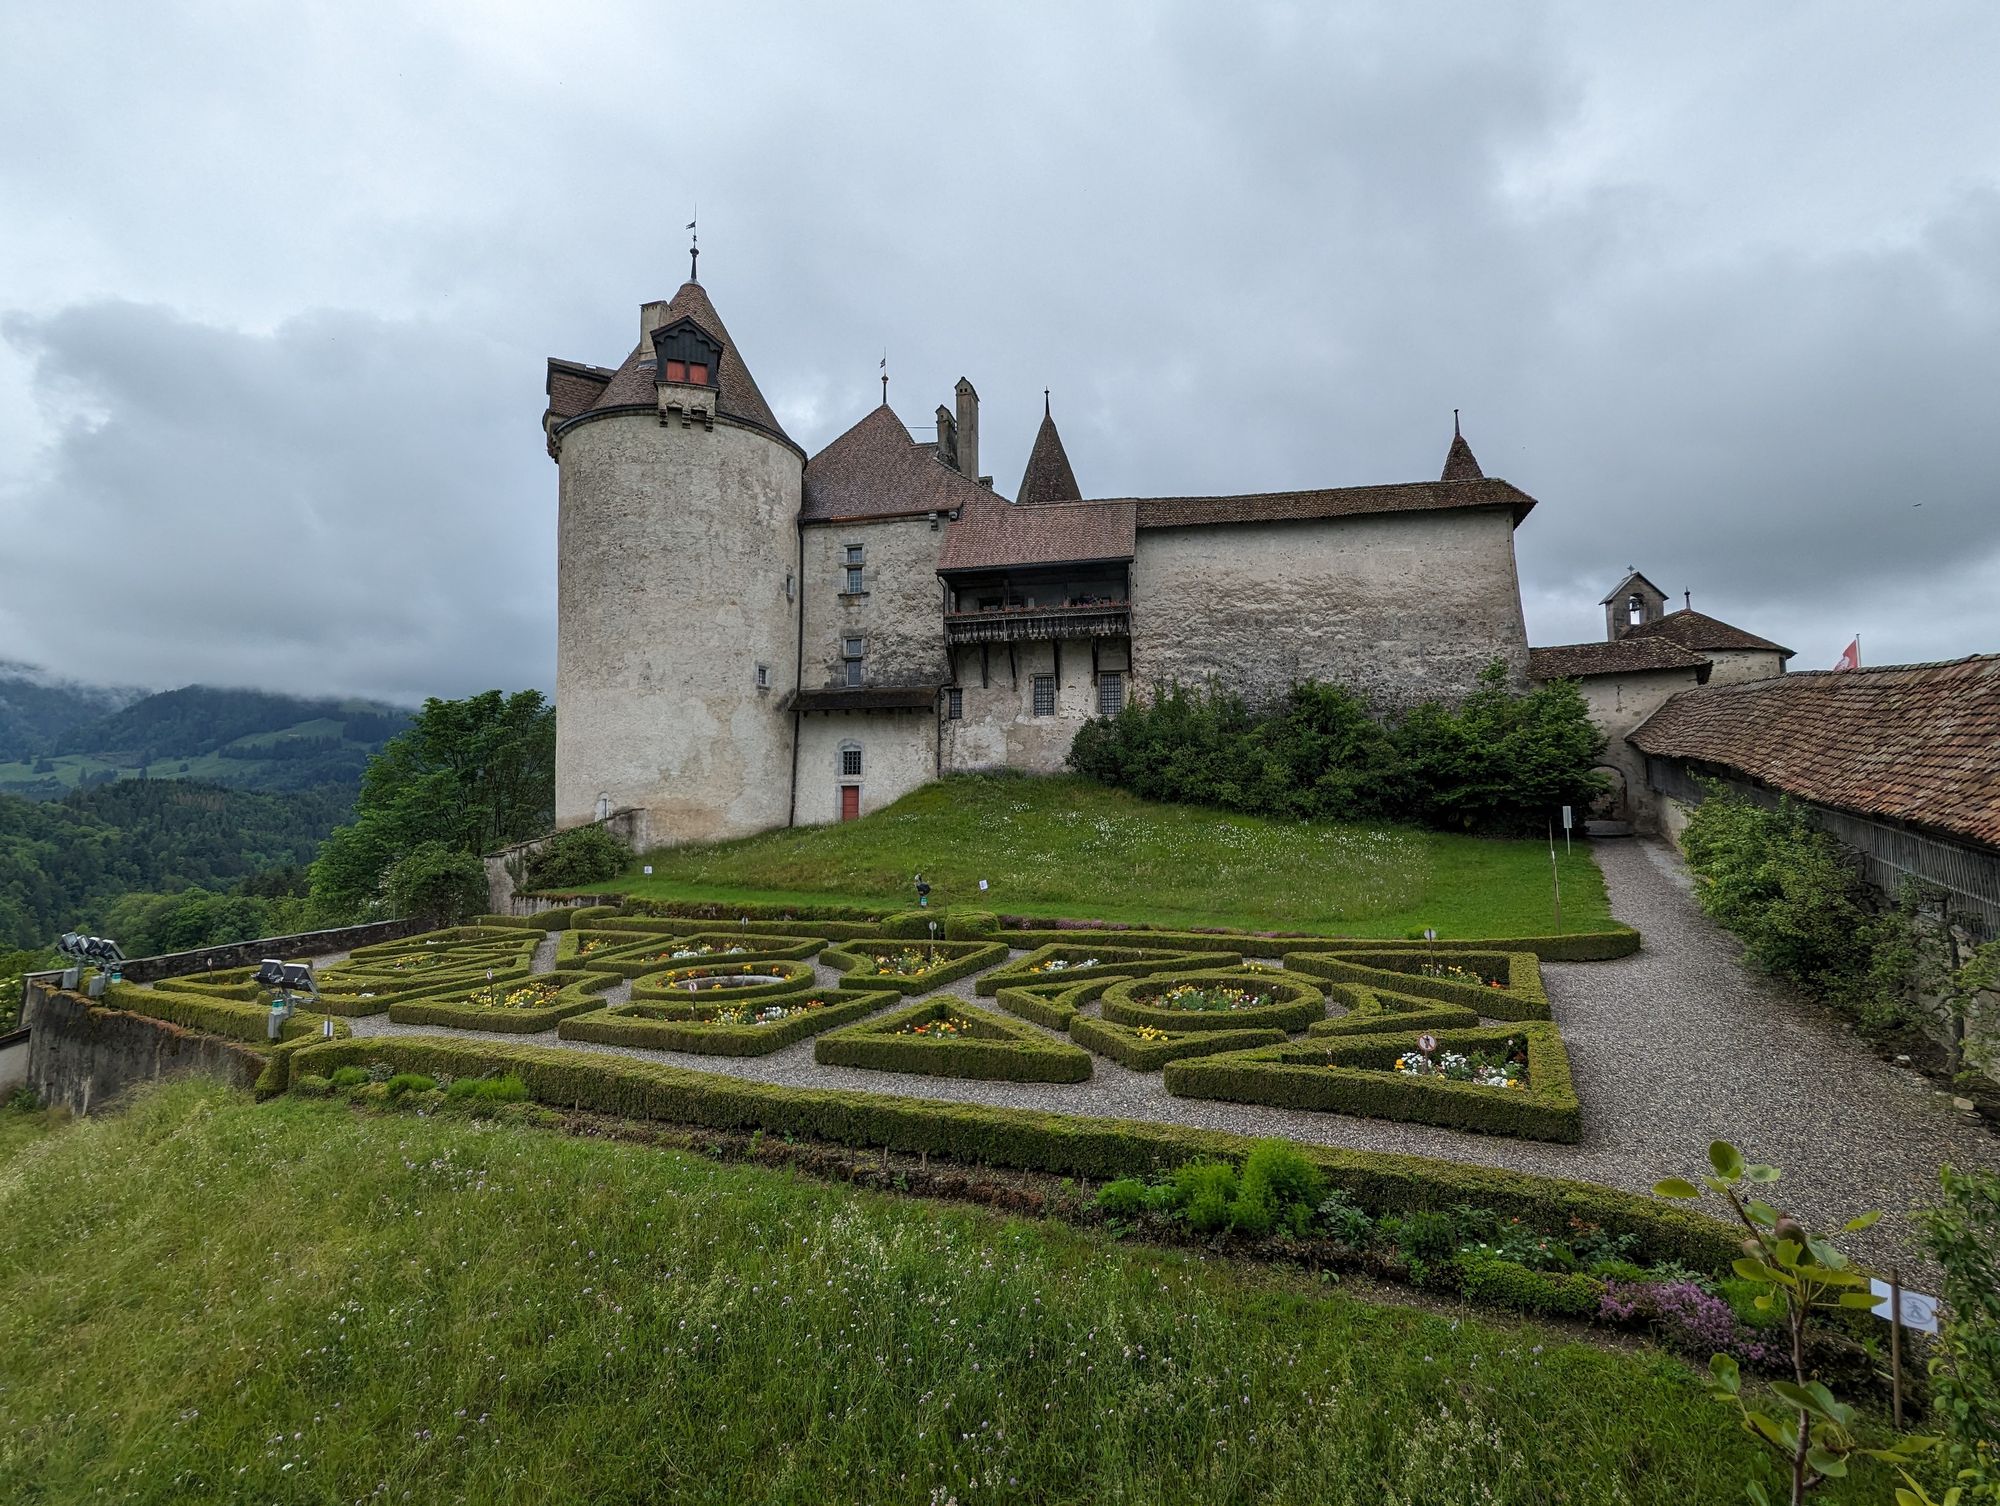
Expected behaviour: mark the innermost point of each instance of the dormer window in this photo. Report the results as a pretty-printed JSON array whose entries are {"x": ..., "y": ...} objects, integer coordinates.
[{"x": 687, "y": 353}]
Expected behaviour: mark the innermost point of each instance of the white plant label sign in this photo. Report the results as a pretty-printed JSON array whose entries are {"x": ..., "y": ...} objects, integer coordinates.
[{"x": 1919, "y": 1311}]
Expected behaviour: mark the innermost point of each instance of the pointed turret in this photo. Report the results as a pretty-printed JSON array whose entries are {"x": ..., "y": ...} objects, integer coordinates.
[
  {"x": 1459, "y": 462},
  {"x": 1048, "y": 477}
]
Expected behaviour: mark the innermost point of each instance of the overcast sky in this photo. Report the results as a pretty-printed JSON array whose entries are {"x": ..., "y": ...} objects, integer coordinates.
[{"x": 1719, "y": 285}]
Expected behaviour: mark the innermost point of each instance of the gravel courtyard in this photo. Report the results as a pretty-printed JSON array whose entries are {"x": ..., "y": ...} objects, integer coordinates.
[{"x": 1670, "y": 1048}]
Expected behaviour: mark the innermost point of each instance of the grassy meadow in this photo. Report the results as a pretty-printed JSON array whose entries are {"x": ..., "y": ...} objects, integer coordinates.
[
  {"x": 204, "y": 1299},
  {"x": 1063, "y": 846}
]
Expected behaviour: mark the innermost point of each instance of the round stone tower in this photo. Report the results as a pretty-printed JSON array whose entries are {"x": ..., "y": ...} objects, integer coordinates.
[{"x": 676, "y": 550}]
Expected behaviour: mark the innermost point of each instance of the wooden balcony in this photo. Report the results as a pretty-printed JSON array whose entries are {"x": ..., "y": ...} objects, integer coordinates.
[{"x": 1039, "y": 624}]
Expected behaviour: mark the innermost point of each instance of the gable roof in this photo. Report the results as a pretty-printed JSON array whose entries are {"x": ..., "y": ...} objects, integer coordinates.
[
  {"x": 994, "y": 534},
  {"x": 1912, "y": 742},
  {"x": 1626, "y": 584},
  {"x": 875, "y": 470},
  {"x": 1332, "y": 502},
  {"x": 1703, "y": 634},
  {"x": 1048, "y": 477},
  {"x": 633, "y": 385},
  {"x": 1628, "y": 655},
  {"x": 574, "y": 387}
]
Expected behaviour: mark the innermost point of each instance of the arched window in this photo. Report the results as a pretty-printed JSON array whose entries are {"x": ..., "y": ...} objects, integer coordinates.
[
  {"x": 1635, "y": 609},
  {"x": 850, "y": 760}
]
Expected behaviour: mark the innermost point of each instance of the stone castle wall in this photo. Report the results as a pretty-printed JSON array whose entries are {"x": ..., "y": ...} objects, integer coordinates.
[
  {"x": 898, "y": 753},
  {"x": 675, "y": 542},
  {"x": 1399, "y": 607},
  {"x": 898, "y": 616}
]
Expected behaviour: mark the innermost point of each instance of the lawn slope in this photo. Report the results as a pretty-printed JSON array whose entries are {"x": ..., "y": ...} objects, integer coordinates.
[
  {"x": 204, "y": 1299},
  {"x": 1064, "y": 846}
]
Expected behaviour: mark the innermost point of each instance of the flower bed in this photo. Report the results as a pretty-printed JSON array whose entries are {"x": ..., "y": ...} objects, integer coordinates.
[
  {"x": 1061, "y": 963},
  {"x": 951, "y": 1038},
  {"x": 1373, "y": 1011},
  {"x": 451, "y": 936},
  {"x": 733, "y": 1028},
  {"x": 1147, "y": 1048},
  {"x": 520, "y": 1006},
  {"x": 657, "y": 953},
  {"x": 1499, "y": 985},
  {"x": 908, "y": 967},
  {"x": 1370, "y": 1075},
  {"x": 711, "y": 981},
  {"x": 1230, "y": 1000}
]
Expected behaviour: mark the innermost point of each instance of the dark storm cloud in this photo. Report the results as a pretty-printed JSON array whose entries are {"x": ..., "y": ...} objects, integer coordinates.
[{"x": 1722, "y": 293}]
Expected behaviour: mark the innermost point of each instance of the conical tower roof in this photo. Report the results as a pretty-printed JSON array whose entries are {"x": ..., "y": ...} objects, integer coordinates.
[
  {"x": 1459, "y": 462},
  {"x": 1048, "y": 477},
  {"x": 737, "y": 396}
]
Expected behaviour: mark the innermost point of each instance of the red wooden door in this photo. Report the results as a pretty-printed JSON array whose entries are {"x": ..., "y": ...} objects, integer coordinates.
[{"x": 850, "y": 801}]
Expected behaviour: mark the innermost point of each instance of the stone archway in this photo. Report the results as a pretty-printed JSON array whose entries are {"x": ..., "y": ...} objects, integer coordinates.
[{"x": 1615, "y": 804}]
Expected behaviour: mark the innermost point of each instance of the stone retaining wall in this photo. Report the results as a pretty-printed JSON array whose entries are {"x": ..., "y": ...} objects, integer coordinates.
[{"x": 84, "y": 1056}]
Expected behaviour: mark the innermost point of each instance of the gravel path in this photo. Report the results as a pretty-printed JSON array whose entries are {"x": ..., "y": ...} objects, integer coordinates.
[{"x": 1671, "y": 1048}]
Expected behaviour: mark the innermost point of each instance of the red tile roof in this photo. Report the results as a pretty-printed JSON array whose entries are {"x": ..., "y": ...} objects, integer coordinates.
[
  {"x": 993, "y": 534},
  {"x": 1333, "y": 502},
  {"x": 1570, "y": 661},
  {"x": 1918, "y": 743},
  {"x": 1048, "y": 477},
  {"x": 1702, "y": 633},
  {"x": 632, "y": 385},
  {"x": 875, "y": 470}
]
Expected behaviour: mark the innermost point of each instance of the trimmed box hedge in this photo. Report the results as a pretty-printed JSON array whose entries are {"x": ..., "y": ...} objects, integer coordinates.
[
  {"x": 639, "y": 1026},
  {"x": 1356, "y": 1075},
  {"x": 996, "y": 1050},
  {"x": 1073, "y": 1145},
  {"x": 1124, "y": 1045},
  {"x": 655, "y": 955},
  {"x": 1294, "y": 1005},
  {"x": 712, "y": 910},
  {"x": 577, "y": 993},
  {"x": 228, "y": 1018},
  {"x": 1052, "y": 1005},
  {"x": 793, "y": 978},
  {"x": 449, "y": 936},
  {"x": 1110, "y": 962},
  {"x": 1585, "y": 946},
  {"x": 1519, "y": 996},
  {"x": 958, "y": 958},
  {"x": 1378, "y": 1011}
]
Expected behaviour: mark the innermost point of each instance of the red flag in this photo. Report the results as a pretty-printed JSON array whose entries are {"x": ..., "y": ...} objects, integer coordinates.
[{"x": 1850, "y": 657}]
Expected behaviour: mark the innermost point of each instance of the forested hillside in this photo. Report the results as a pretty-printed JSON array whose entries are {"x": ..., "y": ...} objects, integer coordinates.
[
  {"x": 37, "y": 710},
  {"x": 63, "y": 862}
]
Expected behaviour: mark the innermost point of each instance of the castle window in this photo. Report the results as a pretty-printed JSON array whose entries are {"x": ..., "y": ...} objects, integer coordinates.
[
  {"x": 686, "y": 353},
  {"x": 852, "y": 568},
  {"x": 688, "y": 371},
  {"x": 1045, "y": 695},
  {"x": 850, "y": 651},
  {"x": 1110, "y": 693},
  {"x": 954, "y": 704},
  {"x": 763, "y": 677},
  {"x": 850, "y": 760}
]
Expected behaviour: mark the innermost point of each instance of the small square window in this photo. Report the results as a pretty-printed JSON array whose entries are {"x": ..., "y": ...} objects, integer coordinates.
[
  {"x": 677, "y": 371},
  {"x": 850, "y": 648},
  {"x": 763, "y": 677},
  {"x": 854, "y": 554},
  {"x": 698, "y": 372},
  {"x": 850, "y": 763},
  {"x": 1110, "y": 693},
  {"x": 954, "y": 704},
  {"x": 854, "y": 674},
  {"x": 1045, "y": 695}
]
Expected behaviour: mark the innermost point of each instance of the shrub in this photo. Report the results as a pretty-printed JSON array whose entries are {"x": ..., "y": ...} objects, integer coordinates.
[
  {"x": 1431, "y": 1237},
  {"x": 581, "y": 855},
  {"x": 695, "y": 1029},
  {"x": 409, "y": 1082},
  {"x": 988, "y": 1046},
  {"x": 964, "y": 925},
  {"x": 1278, "y": 1178},
  {"x": 437, "y": 883},
  {"x": 1343, "y": 1221},
  {"x": 347, "y": 1077},
  {"x": 1499, "y": 1282},
  {"x": 312, "y": 1085},
  {"x": 1204, "y": 1195},
  {"x": 1127, "y": 1197},
  {"x": 1963, "y": 1233}
]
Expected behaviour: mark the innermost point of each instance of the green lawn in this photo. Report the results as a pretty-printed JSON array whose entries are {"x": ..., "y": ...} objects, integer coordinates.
[
  {"x": 203, "y": 1299},
  {"x": 1063, "y": 846}
]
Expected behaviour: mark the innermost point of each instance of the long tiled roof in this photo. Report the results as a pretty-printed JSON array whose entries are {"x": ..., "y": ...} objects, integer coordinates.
[
  {"x": 632, "y": 385},
  {"x": 1332, "y": 502},
  {"x": 1912, "y": 742},
  {"x": 1703, "y": 634},
  {"x": 875, "y": 470},
  {"x": 1048, "y": 477},
  {"x": 1570, "y": 661},
  {"x": 993, "y": 534}
]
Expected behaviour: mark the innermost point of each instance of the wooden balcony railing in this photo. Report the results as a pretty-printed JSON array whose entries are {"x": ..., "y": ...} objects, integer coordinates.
[{"x": 1032, "y": 624}]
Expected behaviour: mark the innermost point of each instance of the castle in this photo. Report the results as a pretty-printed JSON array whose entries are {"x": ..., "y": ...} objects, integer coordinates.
[{"x": 750, "y": 637}]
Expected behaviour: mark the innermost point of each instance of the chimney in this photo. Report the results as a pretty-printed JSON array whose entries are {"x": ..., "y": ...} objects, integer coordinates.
[
  {"x": 968, "y": 430},
  {"x": 651, "y": 317},
  {"x": 947, "y": 444}
]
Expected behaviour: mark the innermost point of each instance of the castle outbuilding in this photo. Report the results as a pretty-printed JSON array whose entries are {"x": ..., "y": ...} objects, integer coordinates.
[{"x": 749, "y": 637}]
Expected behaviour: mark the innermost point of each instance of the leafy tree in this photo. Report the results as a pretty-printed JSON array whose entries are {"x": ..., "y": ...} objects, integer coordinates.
[
  {"x": 1963, "y": 1233},
  {"x": 437, "y": 883},
  {"x": 470, "y": 776},
  {"x": 581, "y": 855}
]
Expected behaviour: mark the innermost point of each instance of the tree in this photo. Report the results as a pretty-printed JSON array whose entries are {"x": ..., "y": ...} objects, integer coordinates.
[
  {"x": 581, "y": 855},
  {"x": 469, "y": 776},
  {"x": 437, "y": 884}
]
